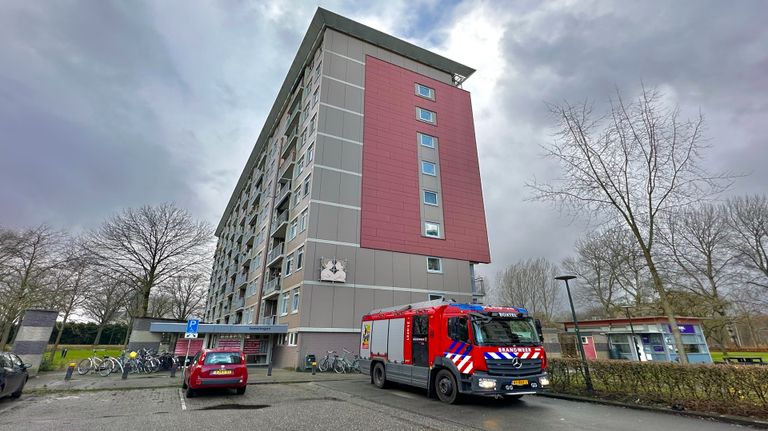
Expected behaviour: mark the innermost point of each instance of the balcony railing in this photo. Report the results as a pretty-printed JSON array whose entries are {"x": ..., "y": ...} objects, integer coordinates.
[
  {"x": 285, "y": 190},
  {"x": 269, "y": 320},
  {"x": 276, "y": 252},
  {"x": 241, "y": 279},
  {"x": 238, "y": 303},
  {"x": 279, "y": 220},
  {"x": 271, "y": 286}
]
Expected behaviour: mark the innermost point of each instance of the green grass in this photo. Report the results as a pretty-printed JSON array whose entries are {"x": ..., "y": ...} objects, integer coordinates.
[
  {"x": 718, "y": 356},
  {"x": 77, "y": 353}
]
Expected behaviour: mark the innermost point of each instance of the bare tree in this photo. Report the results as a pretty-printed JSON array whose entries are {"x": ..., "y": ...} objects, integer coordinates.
[
  {"x": 27, "y": 262},
  {"x": 632, "y": 165},
  {"x": 748, "y": 217},
  {"x": 595, "y": 265},
  {"x": 105, "y": 301},
  {"x": 73, "y": 280},
  {"x": 149, "y": 245},
  {"x": 531, "y": 284},
  {"x": 187, "y": 295},
  {"x": 698, "y": 243}
]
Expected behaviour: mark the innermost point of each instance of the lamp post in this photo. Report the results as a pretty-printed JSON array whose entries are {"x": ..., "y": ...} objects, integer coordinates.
[
  {"x": 632, "y": 330},
  {"x": 587, "y": 377}
]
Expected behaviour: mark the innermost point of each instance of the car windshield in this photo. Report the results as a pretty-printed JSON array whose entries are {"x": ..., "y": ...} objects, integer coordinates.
[
  {"x": 222, "y": 358},
  {"x": 504, "y": 332}
]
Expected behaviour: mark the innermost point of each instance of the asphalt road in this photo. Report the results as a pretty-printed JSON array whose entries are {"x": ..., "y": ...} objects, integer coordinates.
[{"x": 343, "y": 405}]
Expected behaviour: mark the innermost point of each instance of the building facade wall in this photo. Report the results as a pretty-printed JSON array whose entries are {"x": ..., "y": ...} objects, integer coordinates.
[{"x": 324, "y": 170}]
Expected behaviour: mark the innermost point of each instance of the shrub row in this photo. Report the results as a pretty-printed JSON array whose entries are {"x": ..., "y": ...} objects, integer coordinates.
[{"x": 726, "y": 389}]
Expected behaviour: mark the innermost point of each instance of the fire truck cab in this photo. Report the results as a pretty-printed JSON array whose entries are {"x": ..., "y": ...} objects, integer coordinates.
[{"x": 450, "y": 349}]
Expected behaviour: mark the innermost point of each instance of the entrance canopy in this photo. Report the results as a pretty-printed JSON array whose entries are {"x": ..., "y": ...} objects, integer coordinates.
[{"x": 210, "y": 328}]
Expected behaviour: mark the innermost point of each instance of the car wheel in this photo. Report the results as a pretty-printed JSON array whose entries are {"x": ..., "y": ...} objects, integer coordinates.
[
  {"x": 241, "y": 391},
  {"x": 445, "y": 387},
  {"x": 190, "y": 392},
  {"x": 18, "y": 393},
  {"x": 380, "y": 376}
]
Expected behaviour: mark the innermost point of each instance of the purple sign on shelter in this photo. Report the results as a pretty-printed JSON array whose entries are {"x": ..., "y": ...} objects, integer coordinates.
[{"x": 684, "y": 329}]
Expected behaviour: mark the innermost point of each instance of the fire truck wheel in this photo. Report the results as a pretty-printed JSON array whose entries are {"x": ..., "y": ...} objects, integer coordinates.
[
  {"x": 379, "y": 376},
  {"x": 446, "y": 388}
]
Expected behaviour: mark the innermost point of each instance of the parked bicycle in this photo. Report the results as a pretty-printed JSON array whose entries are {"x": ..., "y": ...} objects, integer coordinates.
[{"x": 91, "y": 364}]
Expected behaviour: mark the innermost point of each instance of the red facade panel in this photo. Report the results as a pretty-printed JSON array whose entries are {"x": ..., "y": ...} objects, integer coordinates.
[{"x": 391, "y": 198}]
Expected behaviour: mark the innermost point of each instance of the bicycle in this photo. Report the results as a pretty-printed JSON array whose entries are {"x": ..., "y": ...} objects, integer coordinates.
[
  {"x": 94, "y": 363},
  {"x": 327, "y": 362},
  {"x": 344, "y": 365}
]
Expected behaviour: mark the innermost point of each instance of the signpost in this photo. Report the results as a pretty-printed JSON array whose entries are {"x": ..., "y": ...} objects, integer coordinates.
[{"x": 191, "y": 332}]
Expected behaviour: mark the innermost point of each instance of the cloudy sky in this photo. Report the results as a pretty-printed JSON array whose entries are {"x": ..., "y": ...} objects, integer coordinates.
[{"x": 105, "y": 105}]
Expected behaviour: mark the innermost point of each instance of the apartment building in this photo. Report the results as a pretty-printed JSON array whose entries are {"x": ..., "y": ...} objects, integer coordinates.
[{"x": 362, "y": 191}]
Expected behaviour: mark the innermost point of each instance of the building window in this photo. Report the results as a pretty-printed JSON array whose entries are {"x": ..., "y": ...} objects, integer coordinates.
[
  {"x": 307, "y": 182},
  {"x": 428, "y": 168},
  {"x": 304, "y": 136},
  {"x": 284, "y": 305},
  {"x": 297, "y": 195},
  {"x": 427, "y": 140},
  {"x": 299, "y": 166},
  {"x": 435, "y": 296},
  {"x": 316, "y": 96},
  {"x": 288, "y": 268},
  {"x": 300, "y": 258},
  {"x": 292, "y": 230},
  {"x": 310, "y": 153},
  {"x": 295, "y": 301},
  {"x": 426, "y": 116},
  {"x": 432, "y": 230},
  {"x": 434, "y": 265},
  {"x": 303, "y": 220},
  {"x": 430, "y": 198},
  {"x": 425, "y": 92},
  {"x": 293, "y": 339},
  {"x": 312, "y": 123}
]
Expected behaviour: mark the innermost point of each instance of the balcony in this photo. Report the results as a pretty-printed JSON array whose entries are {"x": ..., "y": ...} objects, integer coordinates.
[
  {"x": 275, "y": 255},
  {"x": 241, "y": 279},
  {"x": 293, "y": 123},
  {"x": 286, "y": 169},
  {"x": 283, "y": 193},
  {"x": 268, "y": 320},
  {"x": 279, "y": 225},
  {"x": 238, "y": 303},
  {"x": 255, "y": 197},
  {"x": 271, "y": 287}
]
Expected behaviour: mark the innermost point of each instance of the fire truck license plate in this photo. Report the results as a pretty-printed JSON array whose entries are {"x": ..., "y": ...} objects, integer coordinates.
[{"x": 519, "y": 382}]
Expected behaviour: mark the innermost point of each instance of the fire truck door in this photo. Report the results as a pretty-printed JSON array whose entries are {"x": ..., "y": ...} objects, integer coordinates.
[{"x": 420, "y": 338}]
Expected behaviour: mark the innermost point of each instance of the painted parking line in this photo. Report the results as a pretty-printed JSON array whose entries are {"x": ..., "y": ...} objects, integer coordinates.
[{"x": 183, "y": 403}]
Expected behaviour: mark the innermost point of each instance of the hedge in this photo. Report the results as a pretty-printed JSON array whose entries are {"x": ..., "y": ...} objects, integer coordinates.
[{"x": 727, "y": 389}]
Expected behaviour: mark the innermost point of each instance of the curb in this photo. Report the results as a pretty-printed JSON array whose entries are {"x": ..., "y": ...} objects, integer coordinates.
[{"x": 736, "y": 420}]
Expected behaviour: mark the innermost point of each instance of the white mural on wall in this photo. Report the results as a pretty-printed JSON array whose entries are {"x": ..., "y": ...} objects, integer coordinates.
[{"x": 333, "y": 270}]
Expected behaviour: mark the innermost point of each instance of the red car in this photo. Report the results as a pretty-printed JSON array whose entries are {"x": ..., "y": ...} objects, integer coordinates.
[{"x": 216, "y": 368}]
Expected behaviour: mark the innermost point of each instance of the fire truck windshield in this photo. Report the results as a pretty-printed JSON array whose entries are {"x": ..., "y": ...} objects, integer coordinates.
[{"x": 504, "y": 332}]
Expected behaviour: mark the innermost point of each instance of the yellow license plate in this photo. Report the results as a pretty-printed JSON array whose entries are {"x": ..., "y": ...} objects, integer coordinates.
[
  {"x": 519, "y": 382},
  {"x": 221, "y": 372}
]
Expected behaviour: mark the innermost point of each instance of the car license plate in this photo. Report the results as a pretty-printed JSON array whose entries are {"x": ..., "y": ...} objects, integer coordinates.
[
  {"x": 519, "y": 382},
  {"x": 221, "y": 372}
]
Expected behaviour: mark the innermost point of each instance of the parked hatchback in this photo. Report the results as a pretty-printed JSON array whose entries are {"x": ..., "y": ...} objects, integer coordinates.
[
  {"x": 216, "y": 368},
  {"x": 13, "y": 375}
]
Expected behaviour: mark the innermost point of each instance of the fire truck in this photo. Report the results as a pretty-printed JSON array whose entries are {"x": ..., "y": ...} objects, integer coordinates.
[{"x": 450, "y": 349}]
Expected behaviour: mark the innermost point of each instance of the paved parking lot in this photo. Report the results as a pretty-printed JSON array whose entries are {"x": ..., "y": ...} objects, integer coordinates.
[
  {"x": 328, "y": 405},
  {"x": 277, "y": 406}
]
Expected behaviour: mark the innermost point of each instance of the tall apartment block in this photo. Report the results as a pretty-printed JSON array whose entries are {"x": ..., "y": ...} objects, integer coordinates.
[{"x": 362, "y": 191}]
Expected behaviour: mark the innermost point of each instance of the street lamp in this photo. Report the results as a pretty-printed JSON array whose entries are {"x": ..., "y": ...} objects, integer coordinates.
[
  {"x": 587, "y": 377},
  {"x": 632, "y": 330}
]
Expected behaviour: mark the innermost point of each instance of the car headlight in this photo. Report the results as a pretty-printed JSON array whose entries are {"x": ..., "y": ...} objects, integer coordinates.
[
  {"x": 486, "y": 383},
  {"x": 544, "y": 381}
]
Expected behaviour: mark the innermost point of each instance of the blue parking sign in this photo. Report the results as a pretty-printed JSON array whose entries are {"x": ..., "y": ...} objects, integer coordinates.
[{"x": 191, "y": 331}]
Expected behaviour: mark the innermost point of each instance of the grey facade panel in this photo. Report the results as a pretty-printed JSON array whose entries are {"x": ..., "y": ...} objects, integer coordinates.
[
  {"x": 343, "y": 315},
  {"x": 40, "y": 318},
  {"x": 24, "y": 347}
]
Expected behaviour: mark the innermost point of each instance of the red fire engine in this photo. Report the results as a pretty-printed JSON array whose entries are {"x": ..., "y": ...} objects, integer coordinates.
[{"x": 450, "y": 349}]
